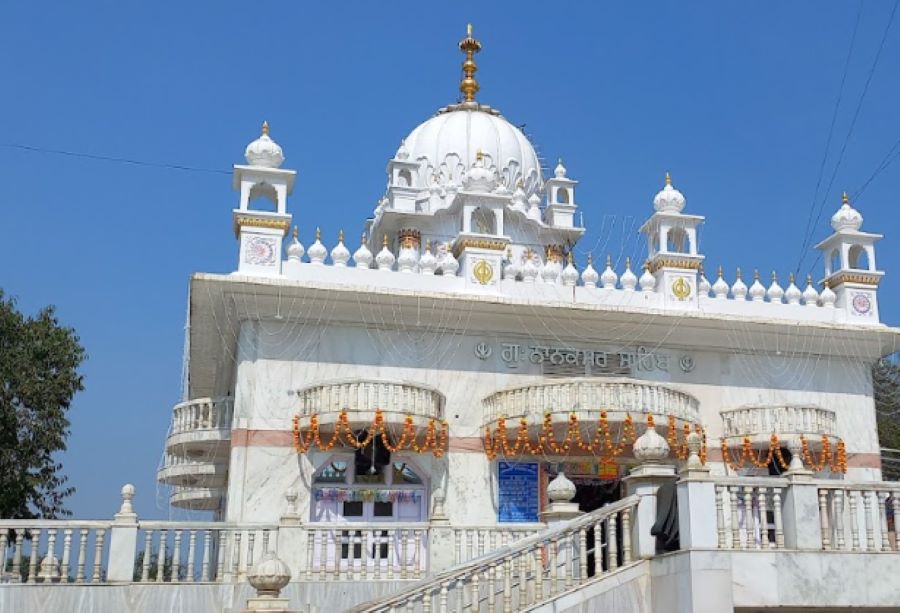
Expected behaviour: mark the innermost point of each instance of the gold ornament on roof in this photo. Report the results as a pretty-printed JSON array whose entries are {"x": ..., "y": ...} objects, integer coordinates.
[
  {"x": 296, "y": 232},
  {"x": 845, "y": 199},
  {"x": 668, "y": 179},
  {"x": 265, "y": 128},
  {"x": 469, "y": 86}
]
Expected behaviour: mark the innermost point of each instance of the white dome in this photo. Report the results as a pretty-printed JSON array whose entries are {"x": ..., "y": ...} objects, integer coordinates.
[
  {"x": 446, "y": 146},
  {"x": 846, "y": 218},
  {"x": 264, "y": 151},
  {"x": 669, "y": 199}
]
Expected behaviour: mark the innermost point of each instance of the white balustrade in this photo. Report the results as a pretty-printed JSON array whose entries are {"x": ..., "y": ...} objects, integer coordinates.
[
  {"x": 763, "y": 420},
  {"x": 528, "y": 571},
  {"x": 369, "y": 395},
  {"x": 202, "y": 414},
  {"x": 366, "y": 551},
  {"x": 591, "y": 396},
  {"x": 854, "y": 517},
  {"x": 470, "y": 542},
  {"x": 53, "y": 551},
  {"x": 749, "y": 513}
]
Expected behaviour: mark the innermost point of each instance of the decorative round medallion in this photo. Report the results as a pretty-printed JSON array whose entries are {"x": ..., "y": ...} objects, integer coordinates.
[
  {"x": 483, "y": 272},
  {"x": 260, "y": 251},
  {"x": 862, "y": 304},
  {"x": 681, "y": 288}
]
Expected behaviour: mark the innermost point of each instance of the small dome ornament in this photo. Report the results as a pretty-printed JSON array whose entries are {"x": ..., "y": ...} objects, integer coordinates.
[
  {"x": 703, "y": 285},
  {"x": 550, "y": 270},
  {"x": 362, "y": 257},
  {"x": 650, "y": 447},
  {"x": 448, "y": 264},
  {"x": 519, "y": 202},
  {"x": 317, "y": 251},
  {"x": 647, "y": 280},
  {"x": 828, "y": 297},
  {"x": 534, "y": 210},
  {"x": 340, "y": 255},
  {"x": 511, "y": 269},
  {"x": 427, "y": 263},
  {"x": 609, "y": 276},
  {"x": 385, "y": 259},
  {"x": 775, "y": 292},
  {"x": 846, "y": 218},
  {"x": 739, "y": 288},
  {"x": 720, "y": 287},
  {"x": 757, "y": 291},
  {"x": 560, "y": 171},
  {"x": 269, "y": 576},
  {"x": 295, "y": 249},
  {"x": 264, "y": 152},
  {"x": 792, "y": 294},
  {"x": 561, "y": 489},
  {"x": 479, "y": 178},
  {"x": 531, "y": 268},
  {"x": 810, "y": 295},
  {"x": 569, "y": 273},
  {"x": 628, "y": 280},
  {"x": 589, "y": 276},
  {"x": 669, "y": 199}
]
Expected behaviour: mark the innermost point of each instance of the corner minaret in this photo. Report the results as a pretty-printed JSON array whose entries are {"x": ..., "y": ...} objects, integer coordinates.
[
  {"x": 560, "y": 211},
  {"x": 673, "y": 256},
  {"x": 263, "y": 186},
  {"x": 850, "y": 269}
]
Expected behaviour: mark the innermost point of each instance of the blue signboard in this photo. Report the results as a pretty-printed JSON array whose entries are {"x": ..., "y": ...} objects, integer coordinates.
[{"x": 518, "y": 498}]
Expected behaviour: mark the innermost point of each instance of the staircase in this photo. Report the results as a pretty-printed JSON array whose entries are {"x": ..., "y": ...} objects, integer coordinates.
[{"x": 530, "y": 574}]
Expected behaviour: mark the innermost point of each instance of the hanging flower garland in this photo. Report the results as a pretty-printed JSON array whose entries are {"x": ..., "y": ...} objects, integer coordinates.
[
  {"x": 837, "y": 461},
  {"x": 435, "y": 441},
  {"x": 497, "y": 441}
]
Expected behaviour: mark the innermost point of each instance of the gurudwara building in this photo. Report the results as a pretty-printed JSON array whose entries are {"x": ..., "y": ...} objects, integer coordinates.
[{"x": 454, "y": 413}]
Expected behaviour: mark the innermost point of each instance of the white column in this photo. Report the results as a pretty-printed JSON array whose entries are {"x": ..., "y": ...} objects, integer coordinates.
[
  {"x": 123, "y": 540},
  {"x": 643, "y": 481}
]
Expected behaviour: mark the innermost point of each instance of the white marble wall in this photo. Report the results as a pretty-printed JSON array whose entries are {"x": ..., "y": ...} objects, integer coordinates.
[{"x": 277, "y": 358}]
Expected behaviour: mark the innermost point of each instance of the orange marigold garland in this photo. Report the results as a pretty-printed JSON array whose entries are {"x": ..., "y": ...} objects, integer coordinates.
[
  {"x": 835, "y": 461},
  {"x": 305, "y": 438}
]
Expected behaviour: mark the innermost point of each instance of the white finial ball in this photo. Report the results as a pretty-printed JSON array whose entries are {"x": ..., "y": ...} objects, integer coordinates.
[
  {"x": 269, "y": 576},
  {"x": 669, "y": 200},
  {"x": 560, "y": 170},
  {"x": 846, "y": 217},
  {"x": 561, "y": 489},
  {"x": 650, "y": 446},
  {"x": 264, "y": 151}
]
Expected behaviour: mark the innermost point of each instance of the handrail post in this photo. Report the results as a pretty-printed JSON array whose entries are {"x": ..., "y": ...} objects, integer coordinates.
[
  {"x": 291, "y": 545},
  {"x": 643, "y": 481},
  {"x": 123, "y": 540},
  {"x": 698, "y": 521},
  {"x": 801, "y": 504}
]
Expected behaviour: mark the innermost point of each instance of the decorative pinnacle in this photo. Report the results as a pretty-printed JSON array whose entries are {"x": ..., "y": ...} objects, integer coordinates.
[
  {"x": 628, "y": 262},
  {"x": 845, "y": 199},
  {"x": 362, "y": 239},
  {"x": 609, "y": 261},
  {"x": 265, "y": 128},
  {"x": 341, "y": 236},
  {"x": 509, "y": 253},
  {"x": 318, "y": 233},
  {"x": 428, "y": 245},
  {"x": 756, "y": 274},
  {"x": 809, "y": 279},
  {"x": 721, "y": 271},
  {"x": 739, "y": 272},
  {"x": 790, "y": 277},
  {"x": 479, "y": 155},
  {"x": 668, "y": 178},
  {"x": 774, "y": 277},
  {"x": 590, "y": 259},
  {"x": 570, "y": 257},
  {"x": 384, "y": 243},
  {"x": 469, "y": 86},
  {"x": 296, "y": 232}
]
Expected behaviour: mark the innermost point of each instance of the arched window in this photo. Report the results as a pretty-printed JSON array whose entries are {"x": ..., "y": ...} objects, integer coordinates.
[
  {"x": 404, "y": 178},
  {"x": 835, "y": 260},
  {"x": 562, "y": 195},
  {"x": 483, "y": 221},
  {"x": 677, "y": 241},
  {"x": 858, "y": 258},
  {"x": 263, "y": 197}
]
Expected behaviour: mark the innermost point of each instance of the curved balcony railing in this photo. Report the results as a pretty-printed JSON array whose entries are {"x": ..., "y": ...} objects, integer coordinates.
[
  {"x": 202, "y": 414},
  {"x": 197, "y": 498},
  {"x": 588, "y": 397},
  {"x": 183, "y": 471},
  {"x": 367, "y": 396},
  {"x": 760, "y": 421}
]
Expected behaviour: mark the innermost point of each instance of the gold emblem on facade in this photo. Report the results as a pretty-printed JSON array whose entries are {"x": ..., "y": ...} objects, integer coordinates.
[
  {"x": 681, "y": 288},
  {"x": 483, "y": 272}
]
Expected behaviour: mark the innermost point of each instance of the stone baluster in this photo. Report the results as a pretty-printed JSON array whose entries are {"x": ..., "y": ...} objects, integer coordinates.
[
  {"x": 66, "y": 557},
  {"x": 538, "y": 554},
  {"x": 823, "y": 519},
  {"x": 97, "y": 566},
  {"x": 221, "y": 551},
  {"x": 391, "y": 551},
  {"x": 49, "y": 571},
  {"x": 720, "y": 518},
  {"x": 764, "y": 542},
  {"x": 192, "y": 545},
  {"x": 735, "y": 524},
  {"x": 161, "y": 556},
  {"x": 403, "y": 553},
  {"x": 417, "y": 560},
  {"x": 523, "y": 578},
  {"x": 553, "y": 571},
  {"x": 838, "y": 522},
  {"x": 251, "y": 541},
  {"x": 442, "y": 597},
  {"x": 33, "y": 558},
  {"x": 750, "y": 521},
  {"x": 82, "y": 555},
  {"x": 507, "y": 586},
  {"x": 626, "y": 537},
  {"x": 882, "y": 513},
  {"x": 854, "y": 520},
  {"x": 17, "y": 556},
  {"x": 146, "y": 560},
  {"x": 895, "y": 504},
  {"x": 779, "y": 521},
  {"x": 236, "y": 552},
  {"x": 207, "y": 555},
  {"x": 870, "y": 528}
]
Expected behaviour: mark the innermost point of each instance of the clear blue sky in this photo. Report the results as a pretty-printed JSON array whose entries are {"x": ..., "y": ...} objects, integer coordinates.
[{"x": 734, "y": 99}]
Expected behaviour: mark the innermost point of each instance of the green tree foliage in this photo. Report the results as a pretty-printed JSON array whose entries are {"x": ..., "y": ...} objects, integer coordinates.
[
  {"x": 886, "y": 384},
  {"x": 39, "y": 361}
]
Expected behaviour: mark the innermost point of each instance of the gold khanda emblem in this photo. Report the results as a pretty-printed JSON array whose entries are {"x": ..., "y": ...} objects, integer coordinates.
[
  {"x": 483, "y": 272},
  {"x": 681, "y": 288}
]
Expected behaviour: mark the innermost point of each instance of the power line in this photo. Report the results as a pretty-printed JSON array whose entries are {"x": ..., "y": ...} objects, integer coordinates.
[
  {"x": 886, "y": 161},
  {"x": 107, "y": 158},
  {"x": 834, "y": 114},
  {"x": 862, "y": 98}
]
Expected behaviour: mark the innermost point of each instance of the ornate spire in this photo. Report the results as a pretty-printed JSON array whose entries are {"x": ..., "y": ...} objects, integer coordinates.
[
  {"x": 469, "y": 86},
  {"x": 668, "y": 178},
  {"x": 265, "y": 130},
  {"x": 845, "y": 199}
]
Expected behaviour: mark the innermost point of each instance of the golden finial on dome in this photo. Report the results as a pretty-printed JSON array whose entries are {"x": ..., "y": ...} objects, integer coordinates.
[
  {"x": 590, "y": 259},
  {"x": 845, "y": 199},
  {"x": 469, "y": 86},
  {"x": 318, "y": 234},
  {"x": 428, "y": 245},
  {"x": 756, "y": 274},
  {"x": 721, "y": 271},
  {"x": 668, "y": 178},
  {"x": 265, "y": 128},
  {"x": 790, "y": 277},
  {"x": 296, "y": 232},
  {"x": 341, "y": 236},
  {"x": 738, "y": 275},
  {"x": 479, "y": 155},
  {"x": 628, "y": 262},
  {"x": 609, "y": 261},
  {"x": 570, "y": 257},
  {"x": 809, "y": 279},
  {"x": 384, "y": 243}
]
